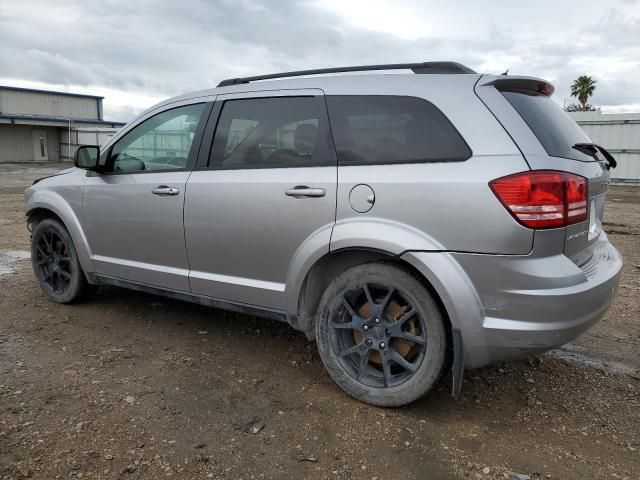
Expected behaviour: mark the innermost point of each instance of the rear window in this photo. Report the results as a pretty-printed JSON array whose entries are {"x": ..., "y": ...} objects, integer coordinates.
[
  {"x": 555, "y": 130},
  {"x": 379, "y": 129}
]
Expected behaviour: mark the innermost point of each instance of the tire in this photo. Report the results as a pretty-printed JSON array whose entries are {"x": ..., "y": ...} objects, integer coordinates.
[
  {"x": 55, "y": 263},
  {"x": 373, "y": 346}
]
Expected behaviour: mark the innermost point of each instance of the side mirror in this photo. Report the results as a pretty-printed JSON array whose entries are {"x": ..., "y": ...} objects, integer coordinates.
[{"x": 87, "y": 157}]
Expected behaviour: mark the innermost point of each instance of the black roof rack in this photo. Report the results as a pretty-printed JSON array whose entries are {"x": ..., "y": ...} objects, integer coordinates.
[{"x": 424, "y": 67}]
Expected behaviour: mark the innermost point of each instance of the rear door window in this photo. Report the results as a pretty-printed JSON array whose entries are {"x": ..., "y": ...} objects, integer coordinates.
[
  {"x": 553, "y": 127},
  {"x": 277, "y": 132},
  {"x": 383, "y": 129}
]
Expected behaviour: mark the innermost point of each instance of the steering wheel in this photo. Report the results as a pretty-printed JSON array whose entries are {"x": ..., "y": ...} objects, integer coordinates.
[{"x": 128, "y": 164}]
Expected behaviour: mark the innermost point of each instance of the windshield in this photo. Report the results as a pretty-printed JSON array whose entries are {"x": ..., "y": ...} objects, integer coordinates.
[{"x": 555, "y": 129}]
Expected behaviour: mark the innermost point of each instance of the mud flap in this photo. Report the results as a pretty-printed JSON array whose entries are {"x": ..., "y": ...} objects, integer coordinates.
[{"x": 457, "y": 366}]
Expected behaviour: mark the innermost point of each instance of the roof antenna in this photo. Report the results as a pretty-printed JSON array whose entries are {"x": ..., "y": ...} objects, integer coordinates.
[{"x": 506, "y": 72}]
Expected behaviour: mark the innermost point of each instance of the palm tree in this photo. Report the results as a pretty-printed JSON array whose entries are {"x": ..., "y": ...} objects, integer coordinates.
[{"x": 583, "y": 88}]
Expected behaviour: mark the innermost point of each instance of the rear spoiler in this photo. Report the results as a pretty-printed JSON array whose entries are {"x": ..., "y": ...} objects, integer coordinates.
[{"x": 503, "y": 82}]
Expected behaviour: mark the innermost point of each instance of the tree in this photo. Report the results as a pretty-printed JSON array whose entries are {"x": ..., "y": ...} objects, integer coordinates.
[
  {"x": 574, "y": 107},
  {"x": 583, "y": 88}
]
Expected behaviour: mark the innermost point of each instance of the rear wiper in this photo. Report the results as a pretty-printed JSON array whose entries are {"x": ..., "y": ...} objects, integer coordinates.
[{"x": 592, "y": 149}]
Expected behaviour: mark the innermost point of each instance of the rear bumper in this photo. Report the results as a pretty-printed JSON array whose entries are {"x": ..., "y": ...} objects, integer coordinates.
[
  {"x": 512, "y": 306},
  {"x": 532, "y": 304}
]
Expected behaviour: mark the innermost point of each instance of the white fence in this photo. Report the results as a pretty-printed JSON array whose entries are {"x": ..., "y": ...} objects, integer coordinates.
[{"x": 83, "y": 136}]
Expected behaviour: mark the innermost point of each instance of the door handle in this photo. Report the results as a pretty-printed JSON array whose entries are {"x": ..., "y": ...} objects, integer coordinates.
[
  {"x": 163, "y": 191},
  {"x": 304, "y": 191}
]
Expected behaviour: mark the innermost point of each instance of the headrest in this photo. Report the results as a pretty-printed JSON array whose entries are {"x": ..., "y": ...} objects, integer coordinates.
[{"x": 304, "y": 137}]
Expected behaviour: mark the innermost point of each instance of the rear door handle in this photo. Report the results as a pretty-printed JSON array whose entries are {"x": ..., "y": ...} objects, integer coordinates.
[
  {"x": 163, "y": 191},
  {"x": 304, "y": 191}
]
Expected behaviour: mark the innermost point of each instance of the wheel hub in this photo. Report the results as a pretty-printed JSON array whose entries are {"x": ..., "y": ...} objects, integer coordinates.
[
  {"x": 373, "y": 334},
  {"x": 376, "y": 333}
]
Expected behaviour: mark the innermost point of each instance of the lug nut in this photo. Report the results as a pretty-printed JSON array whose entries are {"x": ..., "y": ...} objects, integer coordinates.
[
  {"x": 382, "y": 345},
  {"x": 366, "y": 327},
  {"x": 368, "y": 342}
]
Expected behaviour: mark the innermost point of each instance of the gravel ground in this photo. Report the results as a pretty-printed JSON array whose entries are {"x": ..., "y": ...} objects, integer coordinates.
[{"x": 130, "y": 385}]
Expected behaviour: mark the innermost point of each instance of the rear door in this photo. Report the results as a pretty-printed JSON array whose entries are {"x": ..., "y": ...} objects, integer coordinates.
[
  {"x": 546, "y": 135},
  {"x": 266, "y": 191}
]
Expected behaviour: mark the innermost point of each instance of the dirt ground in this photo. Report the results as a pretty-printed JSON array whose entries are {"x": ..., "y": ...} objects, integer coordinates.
[{"x": 136, "y": 386}]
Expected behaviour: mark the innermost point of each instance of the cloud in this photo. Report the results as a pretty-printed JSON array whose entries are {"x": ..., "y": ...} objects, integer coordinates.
[{"x": 155, "y": 49}]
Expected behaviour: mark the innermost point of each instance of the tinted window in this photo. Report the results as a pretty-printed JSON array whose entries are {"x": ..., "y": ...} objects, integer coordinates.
[
  {"x": 392, "y": 129},
  {"x": 271, "y": 132},
  {"x": 555, "y": 130},
  {"x": 161, "y": 142}
]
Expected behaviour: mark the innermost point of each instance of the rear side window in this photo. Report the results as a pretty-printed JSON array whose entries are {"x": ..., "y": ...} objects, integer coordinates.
[
  {"x": 276, "y": 132},
  {"x": 379, "y": 129},
  {"x": 553, "y": 127}
]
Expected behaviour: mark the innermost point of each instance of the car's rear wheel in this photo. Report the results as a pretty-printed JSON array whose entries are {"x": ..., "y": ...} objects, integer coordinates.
[
  {"x": 55, "y": 262},
  {"x": 381, "y": 335}
]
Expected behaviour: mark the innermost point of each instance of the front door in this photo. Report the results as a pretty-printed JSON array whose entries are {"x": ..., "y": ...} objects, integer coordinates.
[
  {"x": 39, "y": 138},
  {"x": 133, "y": 212},
  {"x": 268, "y": 191}
]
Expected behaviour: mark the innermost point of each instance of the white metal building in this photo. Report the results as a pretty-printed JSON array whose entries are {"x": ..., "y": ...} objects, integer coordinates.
[
  {"x": 41, "y": 125},
  {"x": 619, "y": 133}
]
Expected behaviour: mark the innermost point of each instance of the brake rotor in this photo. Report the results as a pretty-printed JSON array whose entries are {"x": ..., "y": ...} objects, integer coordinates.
[{"x": 393, "y": 313}]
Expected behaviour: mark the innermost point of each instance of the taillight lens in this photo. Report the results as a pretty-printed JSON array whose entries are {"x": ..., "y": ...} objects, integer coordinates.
[{"x": 543, "y": 199}]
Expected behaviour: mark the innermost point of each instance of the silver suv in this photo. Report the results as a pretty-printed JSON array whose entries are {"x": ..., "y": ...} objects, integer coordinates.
[{"x": 410, "y": 223}]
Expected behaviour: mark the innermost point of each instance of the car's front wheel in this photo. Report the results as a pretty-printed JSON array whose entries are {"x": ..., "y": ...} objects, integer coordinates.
[
  {"x": 55, "y": 262},
  {"x": 381, "y": 335}
]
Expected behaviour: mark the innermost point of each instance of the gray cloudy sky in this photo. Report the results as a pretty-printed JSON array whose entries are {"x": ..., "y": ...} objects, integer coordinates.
[{"x": 138, "y": 52}]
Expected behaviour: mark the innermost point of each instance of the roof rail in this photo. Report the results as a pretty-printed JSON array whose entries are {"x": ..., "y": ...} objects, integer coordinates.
[{"x": 424, "y": 67}]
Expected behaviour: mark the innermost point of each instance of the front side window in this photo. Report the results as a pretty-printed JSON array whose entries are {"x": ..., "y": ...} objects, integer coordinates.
[
  {"x": 379, "y": 129},
  {"x": 277, "y": 132},
  {"x": 161, "y": 142}
]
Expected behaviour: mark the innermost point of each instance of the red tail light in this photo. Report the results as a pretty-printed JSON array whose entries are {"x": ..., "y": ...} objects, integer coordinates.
[{"x": 543, "y": 198}]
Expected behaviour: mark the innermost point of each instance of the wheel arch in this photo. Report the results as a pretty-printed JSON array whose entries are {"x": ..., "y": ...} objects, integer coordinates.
[
  {"x": 332, "y": 264},
  {"x": 38, "y": 214},
  {"x": 364, "y": 238},
  {"x": 50, "y": 205}
]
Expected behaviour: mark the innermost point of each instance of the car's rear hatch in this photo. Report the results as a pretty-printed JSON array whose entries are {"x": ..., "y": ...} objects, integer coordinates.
[{"x": 546, "y": 136}]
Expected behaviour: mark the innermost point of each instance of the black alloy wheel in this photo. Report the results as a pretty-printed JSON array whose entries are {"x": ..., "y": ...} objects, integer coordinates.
[
  {"x": 381, "y": 334},
  {"x": 378, "y": 335},
  {"x": 53, "y": 261}
]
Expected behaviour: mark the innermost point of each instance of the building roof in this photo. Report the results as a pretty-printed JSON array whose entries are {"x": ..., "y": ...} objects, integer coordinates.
[
  {"x": 52, "y": 121},
  {"x": 598, "y": 118},
  {"x": 51, "y": 92}
]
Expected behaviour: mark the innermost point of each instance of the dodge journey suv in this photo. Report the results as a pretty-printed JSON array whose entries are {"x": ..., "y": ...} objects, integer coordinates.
[{"x": 411, "y": 223}]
